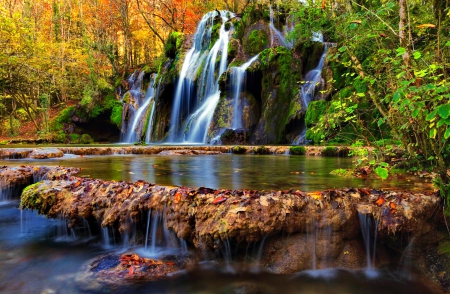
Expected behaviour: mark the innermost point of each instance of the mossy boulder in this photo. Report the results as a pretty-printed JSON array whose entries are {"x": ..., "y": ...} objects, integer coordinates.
[
  {"x": 257, "y": 38},
  {"x": 280, "y": 73}
]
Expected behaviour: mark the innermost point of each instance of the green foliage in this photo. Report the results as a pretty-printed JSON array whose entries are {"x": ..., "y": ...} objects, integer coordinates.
[
  {"x": 239, "y": 150},
  {"x": 297, "y": 150},
  {"x": 116, "y": 113},
  {"x": 74, "y": 138},
  {"x": 316, "y": 109},
  {"x": 86, "y": 139},
  {"x": 382, "y": 172}
]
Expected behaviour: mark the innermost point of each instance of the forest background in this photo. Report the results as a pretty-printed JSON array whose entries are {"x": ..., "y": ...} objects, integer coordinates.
[{"x": 392, "y": 58}]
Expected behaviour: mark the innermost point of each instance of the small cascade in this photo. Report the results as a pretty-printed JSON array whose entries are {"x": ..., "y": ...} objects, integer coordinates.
[
  {"x": 6, "y": 192},
  {"x": 132, "y": 104},
  {"x": 62, "y": 232},
  {"x": 256, "y": 267},
  {"x": 369, "y": 234},
  {"x": 276, "y": 34},
  {"x": 136, "y": 125},
  {"x": 199, "y": 109},
  {"x": 106, "y": 238},
  {"x": 158, "y": 238},
  {"x": 238, "y": 78},
  {"x": 312, "y": 79}
]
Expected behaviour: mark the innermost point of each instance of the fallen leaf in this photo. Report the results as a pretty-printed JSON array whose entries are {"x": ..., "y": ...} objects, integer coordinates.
[
  {"x": 170, "y": 263},
  {"x": 380, "y": 201},
  {"x": 219, "y": 200},
  {"x": 130, "y": 271},
  {"x": 392, "y": 205},
  {"x": 177, "y": 197}
]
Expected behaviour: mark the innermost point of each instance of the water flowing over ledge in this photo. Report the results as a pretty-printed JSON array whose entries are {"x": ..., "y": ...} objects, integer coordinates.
[
  {"x": 289, "y": 231},
  {"x": 205, "y": 216}
]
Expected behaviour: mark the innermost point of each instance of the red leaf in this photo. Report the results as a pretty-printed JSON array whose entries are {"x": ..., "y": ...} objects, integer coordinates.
[{"x": 219, "y": 200}]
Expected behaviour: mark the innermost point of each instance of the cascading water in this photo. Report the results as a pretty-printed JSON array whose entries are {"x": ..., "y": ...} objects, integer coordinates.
[
  {"x": 238, "y": 78},
  {"x": 369, "y": 233},
  {"x": 131, "y": 104},
  {"x": 207, "y": 94},
  {"x": 135, "y": 128},
  {"x": 275, "y": 33},
  {"x": 312, "y": 79}
]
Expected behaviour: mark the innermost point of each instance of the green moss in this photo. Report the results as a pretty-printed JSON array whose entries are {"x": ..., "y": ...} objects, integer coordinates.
[
  {"x": 444, "y": 248},
  {"x": 238, "y": 150},
  {"x": 256, "y": 41},
  {"x": 297, "y": 150},
  {"x": 330, "y": 151},
  {"x": 116, "y": 114},
  {"x": 173, "y": 44},
  {"x": 261, "y": 150},
  {"x": 340, "y": 172},
  {"x": 74, "y": 138},
  {"x": 315, "y": 110},
  {"x": 86, "y": 139}
]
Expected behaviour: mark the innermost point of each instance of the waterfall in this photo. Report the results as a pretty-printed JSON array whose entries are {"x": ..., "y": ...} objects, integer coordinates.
[
  {"x": 134, "y": 128},
  {"x": 369, "y": 233},
  {"x": 312, "y": 79},
  {"x": 207, "y": 90},
  {"x": 238, "y": 77},
  {"x": 274, "y": 31}
]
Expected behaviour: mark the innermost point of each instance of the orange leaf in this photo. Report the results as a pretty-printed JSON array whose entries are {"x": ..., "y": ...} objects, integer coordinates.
[
  {"x": 130, "y": 271},
  {"x": 392, "y": 205},
  {"x": 219, "y": 199},
  {"x": 170, "y": 263},
  {"x": 380, "y": 201},
  {"x": 177, "y": 197}
]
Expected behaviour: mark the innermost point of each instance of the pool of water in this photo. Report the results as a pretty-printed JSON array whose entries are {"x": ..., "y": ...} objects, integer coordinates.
[
  {"x": 39, "y": 255},
  {"x": 227, "y": 171}
]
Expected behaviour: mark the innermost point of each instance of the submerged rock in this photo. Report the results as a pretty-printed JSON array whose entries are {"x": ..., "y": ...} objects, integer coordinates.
[{"x": 119, "y": 269}]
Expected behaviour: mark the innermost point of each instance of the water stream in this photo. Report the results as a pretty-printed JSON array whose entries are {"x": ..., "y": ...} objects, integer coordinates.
[
  {"x": 238, "y": 78},
  {"x": 45, "y": 256},
  {"x": 312, "y": 80},
  {"x": 196, "y": 97},
  {"x": 135, "y": 128}
]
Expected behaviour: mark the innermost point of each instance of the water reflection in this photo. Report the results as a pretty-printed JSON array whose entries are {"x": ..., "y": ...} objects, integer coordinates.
[{"x": 228, "y": 171}]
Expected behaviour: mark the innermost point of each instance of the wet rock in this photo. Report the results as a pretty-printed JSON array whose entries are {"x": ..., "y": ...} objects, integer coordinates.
[
  {"x": 119, "y": 269},
  {"x": 188, "y": 152},
  {"x": 44, "y": 153}
]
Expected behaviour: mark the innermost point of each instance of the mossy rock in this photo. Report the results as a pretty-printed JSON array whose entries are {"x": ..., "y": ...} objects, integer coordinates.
[
  {"x": 332, "y": 151},
  {"x": 315, "y": 110},
  {"x": 261, "y": 150},
  {"x": 239, "y": 150},
  {"x": 173, "y": 44},
  {"x": 297, "y": 150},
  {"x": 344, "y": 173},
  {"x": 86, "y": 139},
  {"x": 255, "y": 42}
]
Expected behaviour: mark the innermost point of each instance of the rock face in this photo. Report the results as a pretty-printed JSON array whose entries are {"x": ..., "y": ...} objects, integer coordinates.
[{"x": 270, "y": 99}]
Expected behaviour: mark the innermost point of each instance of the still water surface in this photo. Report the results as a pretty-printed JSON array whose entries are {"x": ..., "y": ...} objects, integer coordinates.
[
  {"x": 227, "y": 171},
  {"x": 38, "y": 255}
]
